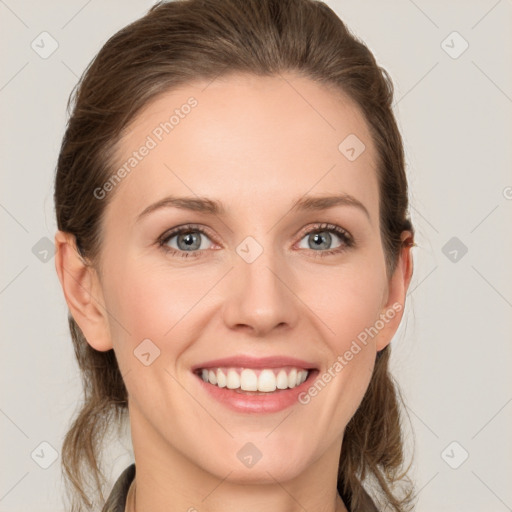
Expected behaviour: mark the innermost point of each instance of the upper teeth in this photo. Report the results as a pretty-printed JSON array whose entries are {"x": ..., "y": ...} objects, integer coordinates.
[{"x": 247, "y": 379}]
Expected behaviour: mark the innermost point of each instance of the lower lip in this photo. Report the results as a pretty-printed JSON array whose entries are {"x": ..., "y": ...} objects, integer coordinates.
[{"x": 257, "y": 404}]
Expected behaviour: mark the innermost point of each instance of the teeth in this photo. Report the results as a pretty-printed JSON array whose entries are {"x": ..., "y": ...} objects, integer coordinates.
[
  {"x": 267, "y": 381},
  {"x": 248, "y": 380},
  {"x": 212, "y": 377},
  {"x": 292, "y": 378},
  {"x": 221, "y": 379},
  {"x": 282, "y": 380},
  {"x": 233, "y": 380}
]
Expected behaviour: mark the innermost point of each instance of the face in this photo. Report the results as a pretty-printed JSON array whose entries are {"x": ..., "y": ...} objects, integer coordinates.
[{"x": 271, "y": 284}]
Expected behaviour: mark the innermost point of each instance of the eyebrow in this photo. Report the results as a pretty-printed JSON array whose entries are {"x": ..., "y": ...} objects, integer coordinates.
[{"x": 214, "y": 207}]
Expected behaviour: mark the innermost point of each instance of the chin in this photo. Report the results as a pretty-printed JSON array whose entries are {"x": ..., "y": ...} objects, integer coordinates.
[{"x": 250, "y": 465}]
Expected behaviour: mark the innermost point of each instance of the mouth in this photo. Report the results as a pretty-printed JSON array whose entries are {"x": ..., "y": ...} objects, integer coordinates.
[
  {"x": 251, "y": 385},
  {"x": 254, "y": 380}
]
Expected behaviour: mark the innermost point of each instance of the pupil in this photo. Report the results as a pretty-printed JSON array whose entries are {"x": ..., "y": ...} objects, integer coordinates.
[
  {"x": 319, "y": 236},
  {"x": 188, "y": 238}
]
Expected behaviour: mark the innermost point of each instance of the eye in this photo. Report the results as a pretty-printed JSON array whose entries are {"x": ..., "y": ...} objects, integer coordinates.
[
  {"x": 321, "y": 237},
  {"x": 189, "y": 240}
]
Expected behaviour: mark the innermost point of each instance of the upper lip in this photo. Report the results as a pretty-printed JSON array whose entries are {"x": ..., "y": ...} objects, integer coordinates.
[{"x": 256, "y": 362}]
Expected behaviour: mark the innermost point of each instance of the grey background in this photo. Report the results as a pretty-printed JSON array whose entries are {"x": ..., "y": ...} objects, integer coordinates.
[{"x": 453, "y": 351}]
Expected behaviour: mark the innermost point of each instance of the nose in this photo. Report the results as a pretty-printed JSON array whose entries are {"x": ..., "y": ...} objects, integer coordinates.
[{"x": 260, "y": 296}]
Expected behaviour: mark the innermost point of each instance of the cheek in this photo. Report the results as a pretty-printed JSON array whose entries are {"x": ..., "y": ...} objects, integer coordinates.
[
  {"x": 349, "y": 308},
  {"x": 347, "y": 302},
  {"x": 150, "y": 303}
]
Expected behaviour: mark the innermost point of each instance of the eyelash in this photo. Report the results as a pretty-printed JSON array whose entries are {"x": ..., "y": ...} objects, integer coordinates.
[{"x": 345, "y": 237}]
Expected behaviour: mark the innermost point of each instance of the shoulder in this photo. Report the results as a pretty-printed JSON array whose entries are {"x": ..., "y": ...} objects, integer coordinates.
[{"x": 116, "y": 501}]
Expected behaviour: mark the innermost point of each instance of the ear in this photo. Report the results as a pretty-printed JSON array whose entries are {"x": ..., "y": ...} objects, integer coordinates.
[
  {"x": 394, "y": 305},
  {"x": 82, "y": 290}
]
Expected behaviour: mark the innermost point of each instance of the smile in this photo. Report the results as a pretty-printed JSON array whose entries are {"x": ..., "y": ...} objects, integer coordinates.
[
  {"x": 263, "y": 380},
  {"x": 255, "y": 385}
]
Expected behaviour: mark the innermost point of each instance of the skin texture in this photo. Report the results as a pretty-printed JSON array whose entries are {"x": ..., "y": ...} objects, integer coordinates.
[{"x": 256, "y": 144}]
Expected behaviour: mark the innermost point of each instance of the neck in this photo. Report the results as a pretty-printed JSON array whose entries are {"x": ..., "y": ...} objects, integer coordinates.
[
  {"x": 166, "y": 479},
  {"x": 131, "y": 505}
]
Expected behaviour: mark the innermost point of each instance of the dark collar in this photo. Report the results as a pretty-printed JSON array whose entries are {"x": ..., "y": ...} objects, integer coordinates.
[{"x": 116, "y": 502}]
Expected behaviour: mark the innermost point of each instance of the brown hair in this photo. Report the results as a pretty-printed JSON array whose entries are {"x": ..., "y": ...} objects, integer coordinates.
[{"x": 176, "y": 43}]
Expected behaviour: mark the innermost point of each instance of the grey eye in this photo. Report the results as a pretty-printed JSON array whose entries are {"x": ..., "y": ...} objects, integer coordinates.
[
  {"x": 187, "y": 240},
  {"x": 320, "y": 240}
]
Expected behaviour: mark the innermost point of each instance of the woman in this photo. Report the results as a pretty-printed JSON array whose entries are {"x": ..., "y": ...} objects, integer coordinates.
[{"x": 234, "y": 248}]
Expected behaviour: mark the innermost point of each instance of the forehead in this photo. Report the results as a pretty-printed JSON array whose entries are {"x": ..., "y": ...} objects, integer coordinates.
[{"x": 250, "y": 140}]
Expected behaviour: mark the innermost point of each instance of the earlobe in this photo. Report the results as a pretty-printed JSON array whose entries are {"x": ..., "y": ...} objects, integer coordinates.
[
  {"x": 393, "y": 310},
  {"x": 82, "y": 292}
]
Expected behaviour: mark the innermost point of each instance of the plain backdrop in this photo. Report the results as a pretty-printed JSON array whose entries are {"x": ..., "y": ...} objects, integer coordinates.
[{"x": 451, "y": 64}]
